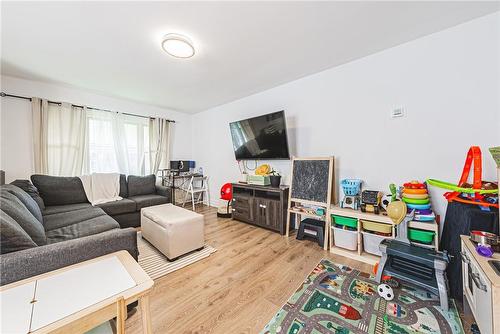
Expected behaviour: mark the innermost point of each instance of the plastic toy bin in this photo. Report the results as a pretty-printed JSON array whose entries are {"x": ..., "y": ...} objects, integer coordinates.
[
  {"x": 424, "y": 237},
  {"x": 376, "y": 227},
  {"x": 372, "y": 241},
  {"x": 345, "y": 238},
  {"x": 344, "y": 221}
]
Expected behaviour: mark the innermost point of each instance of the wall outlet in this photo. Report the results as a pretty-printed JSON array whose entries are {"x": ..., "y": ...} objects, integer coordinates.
[{"x": 398, "y": 112}]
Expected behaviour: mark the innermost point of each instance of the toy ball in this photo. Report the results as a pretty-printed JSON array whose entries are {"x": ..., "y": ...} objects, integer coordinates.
[
  {"x": 386, "y": 200},
  {"x": 385, "y": 291}
]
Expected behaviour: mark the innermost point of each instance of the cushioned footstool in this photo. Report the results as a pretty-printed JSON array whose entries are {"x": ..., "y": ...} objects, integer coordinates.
[{"x": 173, "y": 230}]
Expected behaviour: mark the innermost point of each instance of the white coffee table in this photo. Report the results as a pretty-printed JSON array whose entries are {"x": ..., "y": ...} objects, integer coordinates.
[{"x": 77, "y": 298}]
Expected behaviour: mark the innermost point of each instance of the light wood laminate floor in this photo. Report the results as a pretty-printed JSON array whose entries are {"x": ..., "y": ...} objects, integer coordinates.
[{"x": 238, "y": 288}]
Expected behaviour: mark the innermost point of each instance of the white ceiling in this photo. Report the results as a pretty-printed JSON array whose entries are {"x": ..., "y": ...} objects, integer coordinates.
[{"x": 242, "y": 47}]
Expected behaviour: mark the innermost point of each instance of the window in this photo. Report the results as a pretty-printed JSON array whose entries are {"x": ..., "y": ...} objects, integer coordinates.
[{"x": 117, "y": 143}]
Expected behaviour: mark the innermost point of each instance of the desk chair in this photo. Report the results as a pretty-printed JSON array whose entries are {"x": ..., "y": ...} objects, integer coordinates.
[{"x": 196, "y": 186}]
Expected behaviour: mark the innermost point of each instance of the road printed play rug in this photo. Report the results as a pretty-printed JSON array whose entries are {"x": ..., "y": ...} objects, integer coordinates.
[{"x": 338, "y": 299}]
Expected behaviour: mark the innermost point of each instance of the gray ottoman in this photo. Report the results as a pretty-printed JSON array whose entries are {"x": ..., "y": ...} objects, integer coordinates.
[{"x": 173, "y": 230}]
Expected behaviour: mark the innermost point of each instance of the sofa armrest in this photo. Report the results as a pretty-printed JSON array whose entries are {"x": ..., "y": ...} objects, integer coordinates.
[
  {"x": 164, "y": 191},
  {"x": 38, "y": 260}
]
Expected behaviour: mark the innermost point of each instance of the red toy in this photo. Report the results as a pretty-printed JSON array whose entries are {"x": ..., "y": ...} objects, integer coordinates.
[
  {"x": 414, "y": 185},
  {"x": 226, "y": 194}
]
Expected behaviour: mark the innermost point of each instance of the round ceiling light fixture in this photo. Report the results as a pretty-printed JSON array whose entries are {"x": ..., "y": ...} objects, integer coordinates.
[{"x": 178, "y": 46}]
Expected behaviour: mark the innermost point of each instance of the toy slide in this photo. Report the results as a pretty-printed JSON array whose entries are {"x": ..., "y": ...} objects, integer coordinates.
[
  {"x": 454, "y": 187},
  {"x": 474, "y": 195}
]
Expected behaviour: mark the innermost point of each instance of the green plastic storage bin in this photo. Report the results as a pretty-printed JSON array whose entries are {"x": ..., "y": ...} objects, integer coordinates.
[
  {"x": 345, "y": 221},
  {"x": 425, "y": 237}
]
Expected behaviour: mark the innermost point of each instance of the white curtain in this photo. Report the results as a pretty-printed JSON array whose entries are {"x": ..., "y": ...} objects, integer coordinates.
[
  {"x": 40, "y": 112},
  {"x": 159, "y": 143},
  {"x": 59, "y": 138},
  {"x": 120, "y": 144},
  {"x": 71, "y": 141},
  {"x": 116, "y": 143}
]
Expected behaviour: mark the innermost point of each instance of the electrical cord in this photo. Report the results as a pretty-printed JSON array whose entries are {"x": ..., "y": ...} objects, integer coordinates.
[{"x": 245, "y": 164}]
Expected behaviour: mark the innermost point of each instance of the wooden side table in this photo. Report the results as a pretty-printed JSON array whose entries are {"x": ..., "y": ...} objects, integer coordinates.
[{"x": 77, "y": 298}]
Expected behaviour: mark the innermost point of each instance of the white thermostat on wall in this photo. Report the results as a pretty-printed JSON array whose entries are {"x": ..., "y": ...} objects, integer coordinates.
[{"x": 398, "y": 112}]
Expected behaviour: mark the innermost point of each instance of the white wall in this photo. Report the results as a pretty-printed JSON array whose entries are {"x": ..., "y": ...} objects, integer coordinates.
[
  {"x": 448, "y": 84},
  {"x": 16, "y": 156}
]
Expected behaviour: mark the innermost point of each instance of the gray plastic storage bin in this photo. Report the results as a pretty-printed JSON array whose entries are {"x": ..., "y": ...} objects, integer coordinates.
[
  {"x": 372, "y": 241},
  {"x": 345, "y": 238}
]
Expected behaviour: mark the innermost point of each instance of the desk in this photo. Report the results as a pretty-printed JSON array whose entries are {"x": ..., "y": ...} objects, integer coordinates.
[
  {"x": 77, "y": 298},
  {"x": 170, "y": 180}
]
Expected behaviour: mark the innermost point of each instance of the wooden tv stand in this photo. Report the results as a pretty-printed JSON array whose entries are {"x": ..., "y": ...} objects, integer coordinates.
[{"x": 263, "y": 206}]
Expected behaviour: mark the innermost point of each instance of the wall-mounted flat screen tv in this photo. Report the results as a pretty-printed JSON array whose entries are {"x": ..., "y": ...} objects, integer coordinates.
[{"x": 260, "y": 138}]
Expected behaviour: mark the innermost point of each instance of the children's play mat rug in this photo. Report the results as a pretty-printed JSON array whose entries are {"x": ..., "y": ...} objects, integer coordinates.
[{"x": 337, "y": 299}]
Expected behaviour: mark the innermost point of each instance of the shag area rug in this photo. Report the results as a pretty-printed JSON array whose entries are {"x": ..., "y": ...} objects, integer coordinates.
[
  {"x": 337, "y": 299},
  {"x": 156, "y": 265}
]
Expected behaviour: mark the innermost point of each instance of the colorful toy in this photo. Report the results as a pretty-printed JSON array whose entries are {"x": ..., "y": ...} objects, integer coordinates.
[
  {"x": 419, "y": 266},
  {"x": 370, "y": 201},
  {"x": 387, "y": 199},
  {"x": 414, "y": 191},
  {"x": 408, "y": 200},
  {"x": 226, "y": 194},
  {"x": 351, "y": 188},
  {"x": 414, "y": 185},
  {"x": 479, "y": 193},
  {"x": 416, "y": 197}
]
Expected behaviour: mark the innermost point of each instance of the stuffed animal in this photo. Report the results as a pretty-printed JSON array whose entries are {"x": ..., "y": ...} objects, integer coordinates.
[{"x": 385, "y": 291}]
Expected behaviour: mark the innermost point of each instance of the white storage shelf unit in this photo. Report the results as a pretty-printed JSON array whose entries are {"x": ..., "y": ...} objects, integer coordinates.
[{"x": 360, "y": 254}]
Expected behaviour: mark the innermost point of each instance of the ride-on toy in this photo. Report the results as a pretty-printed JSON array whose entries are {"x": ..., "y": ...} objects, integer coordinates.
[{"x": 417, "y": 266}]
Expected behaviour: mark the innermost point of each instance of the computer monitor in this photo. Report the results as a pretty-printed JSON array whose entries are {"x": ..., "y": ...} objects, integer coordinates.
[{"x": 180, "y": 165}]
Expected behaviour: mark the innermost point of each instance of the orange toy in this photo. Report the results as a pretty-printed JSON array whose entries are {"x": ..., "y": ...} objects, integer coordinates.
[{"x": 479, "y": 190}]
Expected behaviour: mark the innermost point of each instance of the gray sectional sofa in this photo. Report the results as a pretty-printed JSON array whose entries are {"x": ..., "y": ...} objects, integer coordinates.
[{"x": 49, "y": 224}]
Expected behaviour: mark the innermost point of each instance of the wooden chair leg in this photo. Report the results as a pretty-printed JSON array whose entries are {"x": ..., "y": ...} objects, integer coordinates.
[{"x": 146, "y": 315}]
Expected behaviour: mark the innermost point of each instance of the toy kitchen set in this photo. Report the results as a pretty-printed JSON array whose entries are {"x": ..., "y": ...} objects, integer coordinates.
[{"x": 481, "y": 278}]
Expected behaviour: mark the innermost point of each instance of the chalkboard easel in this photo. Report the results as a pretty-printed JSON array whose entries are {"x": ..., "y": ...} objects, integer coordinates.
[{"x": 311, "y": 184}]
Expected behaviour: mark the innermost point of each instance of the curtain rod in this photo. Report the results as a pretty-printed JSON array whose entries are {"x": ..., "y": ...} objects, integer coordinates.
[{"x": 2, "y": 94}]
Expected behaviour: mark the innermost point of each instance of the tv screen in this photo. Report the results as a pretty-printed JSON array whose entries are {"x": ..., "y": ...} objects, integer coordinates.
[{"x": 260, "y": 138}]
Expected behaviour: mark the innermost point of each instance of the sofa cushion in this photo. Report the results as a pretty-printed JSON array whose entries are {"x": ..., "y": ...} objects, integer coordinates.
[
  {"x": 123, "y": 186},
  {"x": 12, "y": 236},
  {"x": 26, "y": 199},
  {"x": 59, "y": 190},
  {"x": 13, "y": 206},
  {"x": 29, "y": 188},
  {"x": 62, "y": 219},
  {"x": 81, "y": 229},
  {"x": 141, "y": 185},
  {"x": 143, "y": 201},
  {"x": 50, "y": 210},
  {"x": 118, "y": 207}
]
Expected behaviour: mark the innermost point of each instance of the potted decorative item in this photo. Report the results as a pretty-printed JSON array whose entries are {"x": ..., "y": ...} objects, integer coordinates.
[{"x": 274, "y": 178}]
